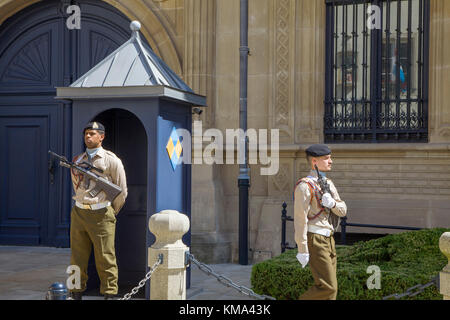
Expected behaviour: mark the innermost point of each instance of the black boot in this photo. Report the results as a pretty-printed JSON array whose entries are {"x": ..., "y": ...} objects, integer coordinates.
[{"x": 76, "y": 295}]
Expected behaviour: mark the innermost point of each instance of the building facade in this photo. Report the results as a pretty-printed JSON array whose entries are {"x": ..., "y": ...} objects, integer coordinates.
[{"x": 318, "y": 72}]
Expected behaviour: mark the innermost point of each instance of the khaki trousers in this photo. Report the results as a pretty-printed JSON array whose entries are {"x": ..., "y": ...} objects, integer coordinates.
[
  {"x": 94, "y": 228},
  {"x": 322, "y": 262}
]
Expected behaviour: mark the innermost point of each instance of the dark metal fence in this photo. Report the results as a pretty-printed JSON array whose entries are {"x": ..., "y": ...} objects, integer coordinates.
[
  {"x": 344, "y": 224},
  {"x": 376, "y": 76},
  {"x": 284, "y": 218}
]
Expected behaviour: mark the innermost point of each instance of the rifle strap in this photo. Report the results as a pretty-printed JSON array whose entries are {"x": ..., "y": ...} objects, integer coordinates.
[
  {"x": 77, "y": 175},
  {"x": 315, "y": 192}
]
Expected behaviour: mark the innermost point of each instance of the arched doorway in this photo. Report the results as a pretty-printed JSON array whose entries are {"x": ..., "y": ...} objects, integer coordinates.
[
  {"x": 126, "y": 137},
  {"x": 37, "y": 54}
]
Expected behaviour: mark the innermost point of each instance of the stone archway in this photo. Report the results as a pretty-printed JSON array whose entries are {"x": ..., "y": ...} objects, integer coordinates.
[{"x": 156, "y": 32}]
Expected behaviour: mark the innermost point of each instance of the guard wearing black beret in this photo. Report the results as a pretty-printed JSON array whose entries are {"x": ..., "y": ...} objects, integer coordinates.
[
  {"x": 318, "y": 150},
  {"x": 93, "y": 218},
  {"x": 317, "y": 210},
  {"x": 94, "y": 126}
]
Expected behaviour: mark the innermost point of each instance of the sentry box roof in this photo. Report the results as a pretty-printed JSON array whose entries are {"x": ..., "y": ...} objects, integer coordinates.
[{"x": 133, "y": 70}]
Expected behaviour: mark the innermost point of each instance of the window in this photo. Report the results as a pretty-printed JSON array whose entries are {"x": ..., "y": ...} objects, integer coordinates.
[{"x": 376, "y": 75}]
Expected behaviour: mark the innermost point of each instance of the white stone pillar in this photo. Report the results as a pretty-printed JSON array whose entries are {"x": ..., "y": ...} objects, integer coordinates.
[
  {"x": 444, "y": 245},
  {"x": 168, "y": 282}
]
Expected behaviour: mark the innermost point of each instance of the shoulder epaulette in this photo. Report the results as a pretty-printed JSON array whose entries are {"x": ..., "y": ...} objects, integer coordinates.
[{"x": 111, "y": 153}]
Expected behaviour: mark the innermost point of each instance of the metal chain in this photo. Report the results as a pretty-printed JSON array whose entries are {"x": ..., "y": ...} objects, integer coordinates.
[
  {"x": 205, "y": 268},
  {"x": 143, "y": 281},
  {"x": 410, "y": 291},
  {"x": 227, "y": 281},
  {"x": 250, "y": 293}
]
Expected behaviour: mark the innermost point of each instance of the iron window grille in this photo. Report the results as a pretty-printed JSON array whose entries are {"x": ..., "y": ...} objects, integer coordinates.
[{"x": 376, "y": 79}]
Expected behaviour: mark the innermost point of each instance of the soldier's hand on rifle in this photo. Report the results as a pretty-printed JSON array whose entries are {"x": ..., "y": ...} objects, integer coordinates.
[
  {"x": 328, "y": 201},
  {"x": 303, "y": 258},
  {"x": 64, "y": 164}
]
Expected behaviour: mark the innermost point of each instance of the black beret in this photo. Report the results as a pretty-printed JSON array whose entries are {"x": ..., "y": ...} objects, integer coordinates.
[
  {"x": 318, "y": 150},
  {"x": 94, "y": 126}
]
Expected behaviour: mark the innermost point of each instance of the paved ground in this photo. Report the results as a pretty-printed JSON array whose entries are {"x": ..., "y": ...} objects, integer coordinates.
[{"x": 27, "y": 272}]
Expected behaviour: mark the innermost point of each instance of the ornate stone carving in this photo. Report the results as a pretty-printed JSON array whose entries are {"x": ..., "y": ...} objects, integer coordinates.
[
  {"x": 444, "y": 131},
  {"x": 282, "y": 66},
  {"x": 282, "y": 180}
]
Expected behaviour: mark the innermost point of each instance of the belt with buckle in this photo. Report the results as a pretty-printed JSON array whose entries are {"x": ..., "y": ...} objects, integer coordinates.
[
  {"x": 318, "y": 230},
  {"x": 96, "y": 206}
]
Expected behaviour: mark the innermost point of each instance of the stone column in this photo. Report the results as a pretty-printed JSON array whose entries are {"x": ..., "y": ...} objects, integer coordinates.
[
  {"x": 444, "y": 245},
  {"x": 200, "y": 52},
  {"x": 199, "y": 66},
  {"x": 309, "y": 88},
  {"x": 168, "y": 282},
  {"x": 439, "y": 117}
]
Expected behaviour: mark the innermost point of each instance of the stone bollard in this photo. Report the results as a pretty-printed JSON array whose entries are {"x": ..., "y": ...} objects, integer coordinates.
[
  {"x": 168, "y": 282},
  {"x": 444, "y": 245}
]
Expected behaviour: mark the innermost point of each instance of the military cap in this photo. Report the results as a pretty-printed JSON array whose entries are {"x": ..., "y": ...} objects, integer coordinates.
[
  {"x": 318, "y": 150},
  {"x": 94, "y": 126}
]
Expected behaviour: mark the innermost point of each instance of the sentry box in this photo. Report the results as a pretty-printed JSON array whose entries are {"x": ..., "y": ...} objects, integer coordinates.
[{"x": 141, "y": 102}]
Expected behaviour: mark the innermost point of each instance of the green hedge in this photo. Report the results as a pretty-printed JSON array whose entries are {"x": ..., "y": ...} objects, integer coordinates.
[{"x": 405, "y": 259}]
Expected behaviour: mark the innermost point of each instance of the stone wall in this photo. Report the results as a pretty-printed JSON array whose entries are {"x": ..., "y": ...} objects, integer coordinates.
[
  {"x": 393, "y": 184},
  {"x": 399, "y": 184}
]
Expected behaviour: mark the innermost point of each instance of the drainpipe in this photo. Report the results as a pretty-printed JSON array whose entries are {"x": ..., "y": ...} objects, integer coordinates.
[{"x": 244, "y": 177}]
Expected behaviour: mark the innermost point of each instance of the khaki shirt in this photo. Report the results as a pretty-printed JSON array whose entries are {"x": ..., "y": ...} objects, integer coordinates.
[
  {"x": 112, "y": 171},
  {"x": 305, "y": 208}
]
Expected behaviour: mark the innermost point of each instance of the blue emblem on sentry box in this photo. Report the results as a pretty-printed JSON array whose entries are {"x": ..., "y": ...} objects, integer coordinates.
[{"x": 174, "y": 148}]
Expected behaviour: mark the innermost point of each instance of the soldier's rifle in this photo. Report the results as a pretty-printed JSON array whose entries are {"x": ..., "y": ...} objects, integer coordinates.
[
  {"x": 101, "y": 184},
  {"x": 325, "y": 188}
]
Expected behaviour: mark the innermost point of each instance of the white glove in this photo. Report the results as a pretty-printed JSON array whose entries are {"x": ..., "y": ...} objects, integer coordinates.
[
  {"x": 328, "y": 201},
  {"x": 303, "y": 258}
]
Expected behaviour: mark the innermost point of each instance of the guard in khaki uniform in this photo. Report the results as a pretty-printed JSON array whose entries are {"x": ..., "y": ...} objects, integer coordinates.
[
  {"x": 316, "y": 218},
  {"x": 93, "y": 219}
]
